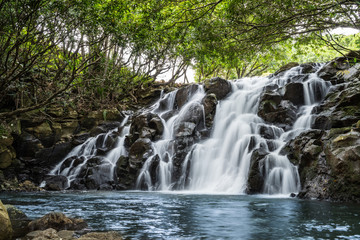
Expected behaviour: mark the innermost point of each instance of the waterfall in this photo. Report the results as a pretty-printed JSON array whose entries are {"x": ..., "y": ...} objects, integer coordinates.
[
  {"x": 163, "y": 149},
  {"x": 221, "y": 163},
  {"x": 90, "y": 153},
  {"x": 218, "y": 162}
]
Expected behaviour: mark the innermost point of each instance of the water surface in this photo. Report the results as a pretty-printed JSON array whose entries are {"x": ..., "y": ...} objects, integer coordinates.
[{"x": 156, "y": 215}]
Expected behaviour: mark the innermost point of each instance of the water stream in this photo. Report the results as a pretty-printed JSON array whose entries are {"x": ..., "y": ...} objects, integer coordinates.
[{"x": 221, "y": 163}]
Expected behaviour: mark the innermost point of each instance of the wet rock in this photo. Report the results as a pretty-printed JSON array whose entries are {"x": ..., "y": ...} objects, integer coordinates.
[
  {"x": 6, "y": 231},
  {"x": 185, "y": 129},
  {"x": 307, "y": 68},
  {"x": 57, "y": 221},
  {"x": 294, "y": 92},
  {"x": 56, "y": 182},
  {"x": 209, "y": 102},
  {"x": 146, "y": 125},
  {"x": 125, "y": 175},
  {"x": 218, "y": 86},
  {"x": 97, "y": 130},
  {"x": 80, "y": 138},
  {"x": 255, "y": 182},
  {"x": 184, "y": 94},
  {"x": 286, "y": 67},
  {"x": 19, "y": 221},
  {"x": 44, "y": 133},
  {"x": 139, "y": 152},
  {"x": 332, "y": 70},
  {"x": 274, "y": 110},
  {"x": 194, "y": 113}
]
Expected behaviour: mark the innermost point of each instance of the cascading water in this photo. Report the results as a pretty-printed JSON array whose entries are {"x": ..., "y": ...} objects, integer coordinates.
[
  {"x": 221, "y": 163},
  {"x": 163, "y": 149},
  {"x": 89, "y": 153}
]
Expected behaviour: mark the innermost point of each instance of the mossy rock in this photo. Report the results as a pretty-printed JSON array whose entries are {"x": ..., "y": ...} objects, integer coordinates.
[
  {"x": 6, "y": 231},
  {"x": 7, "y": 154}
]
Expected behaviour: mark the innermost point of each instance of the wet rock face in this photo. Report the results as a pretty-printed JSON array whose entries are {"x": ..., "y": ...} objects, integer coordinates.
[
  {"x": 275, "y": 110},
  {"x": 294, "y": 92},
  {"x": 218, "y": 86},
  {"x": 328, "y": 163},
  {"x": 56, "y": 183},
  {"x": 255, "y": 182},
  {"x": 341, "y": 107},
  {"x": 184, "y": 94},
  {"x": 146, "y": 125}
]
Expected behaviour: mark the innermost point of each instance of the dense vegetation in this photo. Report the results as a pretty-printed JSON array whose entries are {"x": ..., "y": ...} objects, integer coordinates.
[{"x": 73, "y": 52}]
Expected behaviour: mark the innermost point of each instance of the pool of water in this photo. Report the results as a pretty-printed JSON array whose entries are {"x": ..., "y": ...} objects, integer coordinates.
[{"x": 156, "y": 215}]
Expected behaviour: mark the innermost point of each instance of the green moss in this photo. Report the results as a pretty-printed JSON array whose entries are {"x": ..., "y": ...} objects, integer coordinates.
[
  {"x": 351, "y": 110},
  {"x": 337, "y": 131}
]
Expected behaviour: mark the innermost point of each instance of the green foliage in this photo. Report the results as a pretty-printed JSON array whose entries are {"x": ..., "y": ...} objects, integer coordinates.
[{"x": 82, "y": 51}]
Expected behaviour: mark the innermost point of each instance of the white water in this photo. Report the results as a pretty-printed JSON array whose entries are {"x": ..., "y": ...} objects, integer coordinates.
[
  {"x": 163, "y": 149},
  {"x": 221, "y": 163},
  {"x": 87, "y": 151}
]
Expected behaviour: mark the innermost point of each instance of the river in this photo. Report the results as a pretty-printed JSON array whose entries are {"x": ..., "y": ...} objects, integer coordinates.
[{"x": 184, "y": 215}]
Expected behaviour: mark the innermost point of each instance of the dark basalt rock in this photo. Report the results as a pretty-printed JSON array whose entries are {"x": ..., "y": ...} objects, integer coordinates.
[
  {"x": 184, "y": 94},
  {"x": 209, "y": 102},
  {"x": 56, "y": 182},
  {"x": 285, "y": 68},
  {"x": 139, "y": 152},
  {"x": 294, "y": 92},
  {"x": 146, "y": 125},
  {"x": 255, "y": 182},
  {"x": 218, "y": 86},
  {"x": 329, "y": 72},
  {"x": 307, "y": 68}
]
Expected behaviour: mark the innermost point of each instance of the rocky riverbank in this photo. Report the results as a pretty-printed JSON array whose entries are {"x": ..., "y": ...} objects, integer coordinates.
[
  {"x": 14, "y": 224},
  {"x": 327, "y": 156}
]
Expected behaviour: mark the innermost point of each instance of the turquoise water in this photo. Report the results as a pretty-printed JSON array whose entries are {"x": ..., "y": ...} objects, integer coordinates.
[{"x": 155, "y": 215}]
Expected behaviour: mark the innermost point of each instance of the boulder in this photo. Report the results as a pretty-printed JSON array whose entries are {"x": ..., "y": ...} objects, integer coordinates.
[
  {"x": 294, "y": 92},
  {"x": 332, "y": 71},
  {"x": 274, "y": 110},
  {"x": 218, "y": 86},
  {"x": 57, "y": 221},
  {"x": 185, "y": 129},
  {"x": 7, "y": 154},
  {"x": 184, "y": 94},
  {"x": 6, "y": 231},
  {"x": 19, "y": 221},
  {"x": 307, "y": 68},
  {"x": 209, "y": 102},
  {"x": 139, "y": 152},
  {"x": 286, "y": 67},
  {"x": 146, "y": 125},
  {"x": 255, "y": 182},
  {"x": 56, "y": 182}
]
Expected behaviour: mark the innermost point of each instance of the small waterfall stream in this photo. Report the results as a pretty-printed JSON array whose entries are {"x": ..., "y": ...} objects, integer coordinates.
[
  {"x": 163, "y": 149},
  {"x": 89, "y": 153},
  {"x": 221, "y": 163}
]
